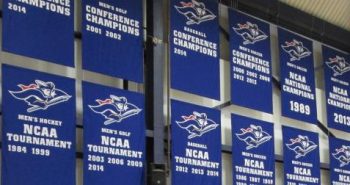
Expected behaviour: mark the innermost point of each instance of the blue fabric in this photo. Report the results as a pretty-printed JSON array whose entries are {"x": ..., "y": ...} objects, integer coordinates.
[
  {"x": 38, "y": 131},
  {"x": 250, "y": 58},
  {"x": 337, "y": 88},
  {"x": 298, "y": 97},
  {"x": 195, "y": 136},
  {"x": 113, "y": 44},
  {"x": 113, "y": 120},
  {"x": 339, "y": 160},
  {"x": 252, "y": 151},
  {"x": 44, "y": 32},
  {"x": 301, "y": 156},
  {"x": 194, "y": 47}
]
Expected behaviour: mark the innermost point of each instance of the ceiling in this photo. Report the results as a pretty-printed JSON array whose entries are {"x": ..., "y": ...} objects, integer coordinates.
[{"x": 336, "y": 12}]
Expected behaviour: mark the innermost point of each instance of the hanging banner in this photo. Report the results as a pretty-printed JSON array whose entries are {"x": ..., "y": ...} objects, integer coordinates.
[
  {"x": 301, "y": 157},
  {"x": 196, "y": 144},
  {"x": 337, "y": 88},
  {"x": 253, "y": 154},
  {"x": 194, "y": 47},
  {"x": 112, "y": 38},
  {"x": 114, "y": 136},
  {"x": 250, "y": 53},
  {"x": 38, "y": 132},
  {"x": 42, "y": 29},
  {"x": 339, "y": 160},
  {"x": 298, "y": 97}
]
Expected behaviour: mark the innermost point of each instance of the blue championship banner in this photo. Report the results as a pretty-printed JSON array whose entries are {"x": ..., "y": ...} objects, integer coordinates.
[
  {"x": 301, "y": 157},
  {"x": 114, "y": 136},
  {"x": 196, "y": 144},
  {"x": 112, "y": 38},
  {"x": 337, "y": 88},
  {"x": 194, "y": 47},
  {"x": 38, "y": 133},
  {"x": 253, "y": 154},
  {"x": 298, "y": 97},
  {"x": 41, "y": 29},
  {"x": 339, "y": 161},
  {"x": 250, "y": 53}
]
